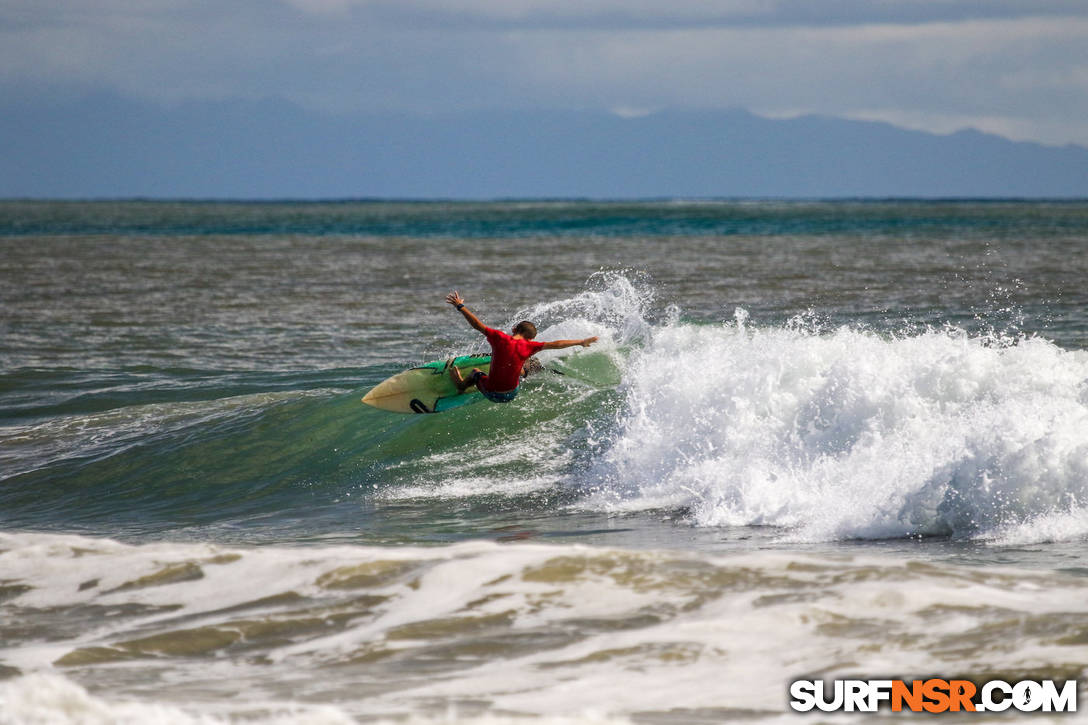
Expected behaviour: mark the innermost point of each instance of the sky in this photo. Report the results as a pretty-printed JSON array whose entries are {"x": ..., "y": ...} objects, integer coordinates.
[{"x": 1017, "y": 68}]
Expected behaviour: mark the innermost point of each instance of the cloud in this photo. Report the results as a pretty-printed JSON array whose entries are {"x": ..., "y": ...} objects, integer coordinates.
[
  {"x": 632, "y": 112},
  {"x": 630, "y": 14},
  {"x": 1012, "y": 67},
  {"x": 327, "y": 8},
  {"x": 969, "y": 70}
]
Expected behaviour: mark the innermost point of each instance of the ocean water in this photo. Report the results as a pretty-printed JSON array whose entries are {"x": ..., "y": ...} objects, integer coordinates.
[{"x": 815, "y": 440}]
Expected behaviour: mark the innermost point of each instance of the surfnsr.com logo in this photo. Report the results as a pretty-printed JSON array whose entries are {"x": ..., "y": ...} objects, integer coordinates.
[{"x": 933, "y": 695}]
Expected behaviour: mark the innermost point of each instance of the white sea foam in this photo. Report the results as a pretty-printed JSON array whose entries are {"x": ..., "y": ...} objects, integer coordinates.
[
  {"x": 827, "y": 433},
  {"x": 1044, "y": 528},
  {"x": 43, "y": 699},
  {"x": 850, "y": 433},
  {"x": 479, "y": 631},
  {"x": 46, "y": 699},
  {"x": 55, "y": 700}
]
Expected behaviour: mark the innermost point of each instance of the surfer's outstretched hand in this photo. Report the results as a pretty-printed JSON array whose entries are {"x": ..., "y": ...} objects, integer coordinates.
[
  {"x": 588, "y": 341},
  {"x": 455, "y": 298}
]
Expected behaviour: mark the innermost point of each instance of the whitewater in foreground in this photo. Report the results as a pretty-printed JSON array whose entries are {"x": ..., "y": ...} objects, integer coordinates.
[{"x": 816, "y": 441}]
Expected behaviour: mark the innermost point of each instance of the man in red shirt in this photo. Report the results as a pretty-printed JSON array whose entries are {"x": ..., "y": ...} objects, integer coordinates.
[{"x": 508, "y": 354}]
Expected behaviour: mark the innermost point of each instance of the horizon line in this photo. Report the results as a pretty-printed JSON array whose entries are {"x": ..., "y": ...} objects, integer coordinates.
[{"x": 137, "y": 199}]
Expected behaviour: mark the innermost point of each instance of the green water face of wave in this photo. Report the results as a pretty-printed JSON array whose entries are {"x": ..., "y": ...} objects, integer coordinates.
[{"x": 304, "y": 460}]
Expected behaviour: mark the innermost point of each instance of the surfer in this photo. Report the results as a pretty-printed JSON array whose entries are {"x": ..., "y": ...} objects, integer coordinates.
[{"x": 508, "y": 355}]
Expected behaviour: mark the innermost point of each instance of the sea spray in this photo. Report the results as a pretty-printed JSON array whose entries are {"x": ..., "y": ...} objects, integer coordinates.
[
  {"x": 185, "y": 378},
  {"x": 850, "y": 434},
  {"x": 821, "y": 432},
  {"x": 828, "y": 433}
]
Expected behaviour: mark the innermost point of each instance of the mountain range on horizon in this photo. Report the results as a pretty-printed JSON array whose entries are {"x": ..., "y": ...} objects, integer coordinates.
[{"x": 107, "y": 146}]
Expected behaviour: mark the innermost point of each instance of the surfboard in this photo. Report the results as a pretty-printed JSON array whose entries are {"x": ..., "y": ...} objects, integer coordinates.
[{"x": 427, "y": 388}]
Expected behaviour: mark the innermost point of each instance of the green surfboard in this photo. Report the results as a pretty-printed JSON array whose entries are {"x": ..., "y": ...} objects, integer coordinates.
[{"x": 427, "y": 388}]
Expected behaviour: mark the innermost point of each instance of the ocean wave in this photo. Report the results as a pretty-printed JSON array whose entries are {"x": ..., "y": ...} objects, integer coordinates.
[
  {"x": 88, "y": 436},
  {"x": 816, "y": 432},
  {"x": 55, "y": 700},
  {"x": 196, "y": 633},
  {"x": 850, "y": 433}
]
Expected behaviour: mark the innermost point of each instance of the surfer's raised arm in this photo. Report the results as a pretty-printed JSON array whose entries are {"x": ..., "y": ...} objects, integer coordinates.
[
  {"x": 455, "y": 299},
  {"x": 508, "y": 355},
  {"x": 560, "y": 344}
]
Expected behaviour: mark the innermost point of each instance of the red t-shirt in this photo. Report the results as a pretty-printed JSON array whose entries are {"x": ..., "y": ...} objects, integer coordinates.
[{"x": 507, "y": 357}]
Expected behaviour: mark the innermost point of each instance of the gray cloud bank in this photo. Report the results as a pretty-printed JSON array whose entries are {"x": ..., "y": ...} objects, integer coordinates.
[{"x": 1018, "y": 69}]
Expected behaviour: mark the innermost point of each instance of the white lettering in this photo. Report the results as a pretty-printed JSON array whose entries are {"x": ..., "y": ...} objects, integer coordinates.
[
  {"x": 994, "y": 696},
  {"x": 879, "y": 691},
  {"x": 1027, "y": 696},
  {"x": 988, "y": 698},
  {"x": 1064, "y": 701},
  {"x": 856, "y": 696},
  {"x": 821, "y": 697},
  {"x": 803, "y": 693}
]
